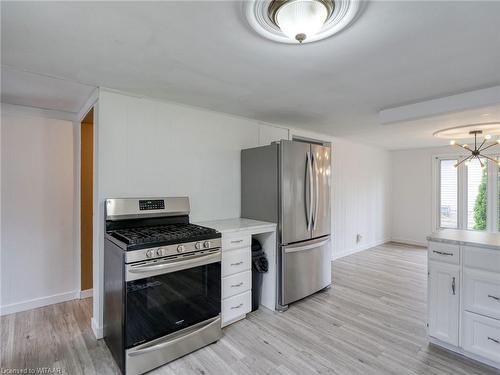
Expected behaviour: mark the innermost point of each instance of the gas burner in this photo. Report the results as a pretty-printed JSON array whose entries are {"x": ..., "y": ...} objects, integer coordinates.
[{"x": 163, "y": 234}]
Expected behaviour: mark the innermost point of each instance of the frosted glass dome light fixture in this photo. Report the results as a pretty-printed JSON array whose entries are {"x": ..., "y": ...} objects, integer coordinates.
[{"x": 300, "y": 19}]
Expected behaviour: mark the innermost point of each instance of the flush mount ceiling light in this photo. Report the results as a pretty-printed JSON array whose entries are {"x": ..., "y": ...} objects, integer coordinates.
[
  {"x": 300, "y": 21},
  {"x": 469, "y": 131}
]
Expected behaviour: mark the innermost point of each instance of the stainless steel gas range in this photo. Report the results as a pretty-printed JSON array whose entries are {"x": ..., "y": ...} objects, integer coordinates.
[{"x": 162, "y": 282}]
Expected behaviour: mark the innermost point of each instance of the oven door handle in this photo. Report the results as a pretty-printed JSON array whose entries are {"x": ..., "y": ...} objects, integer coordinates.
[
  {"x": 213, "y": 322},
  {"x": 142, "y": 271}
]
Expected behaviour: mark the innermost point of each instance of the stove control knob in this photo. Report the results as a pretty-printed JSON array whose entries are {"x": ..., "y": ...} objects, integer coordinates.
[
  {"x": 207, "y": 244},
  {"x": 150, "y": 253},
  {"x": 197, "y": 246},
  {"x": 180, "y": 248},
  {"x": 159, "y": 252}
]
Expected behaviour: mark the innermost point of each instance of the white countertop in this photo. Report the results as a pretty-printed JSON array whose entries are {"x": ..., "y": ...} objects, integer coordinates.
[
  {"x": 238, "y": 224},
  {"x": 467, "y": 237}
]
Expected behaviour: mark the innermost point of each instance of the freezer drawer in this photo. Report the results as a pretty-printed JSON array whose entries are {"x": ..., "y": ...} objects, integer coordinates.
[{"x": 306, "y": 269}]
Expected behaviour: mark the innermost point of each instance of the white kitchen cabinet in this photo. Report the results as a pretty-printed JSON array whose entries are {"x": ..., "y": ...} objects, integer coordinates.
[
  {"x": 482, "y": 336},
  {"x": 444, "y": 302},
  {"x": 236, "y": 261},
  {"x": 443, "y": 252},
  {"x": 236, "y": 307},
  {"x": 482, "y": 259},
  {"x": 236, "y": 275},
  {"x": 236, "y": 241},
  {"x": 464, "y": 293},
  {"x": 482, "y": 292},
  {"x": 236, "y": 284}
]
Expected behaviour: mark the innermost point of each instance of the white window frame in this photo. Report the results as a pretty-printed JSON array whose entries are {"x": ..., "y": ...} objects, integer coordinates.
[{"x": 491, "y": 193}]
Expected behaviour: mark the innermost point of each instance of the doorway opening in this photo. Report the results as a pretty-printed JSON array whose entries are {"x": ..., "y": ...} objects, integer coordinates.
[{"x": 86, "y": 202}]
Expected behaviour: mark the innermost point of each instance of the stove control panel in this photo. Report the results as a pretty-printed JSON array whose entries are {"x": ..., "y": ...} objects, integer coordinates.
[{"x": 151, "y": 204}]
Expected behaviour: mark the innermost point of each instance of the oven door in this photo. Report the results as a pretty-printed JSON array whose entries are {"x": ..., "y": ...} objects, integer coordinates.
[{"x": 169, "y": 295}]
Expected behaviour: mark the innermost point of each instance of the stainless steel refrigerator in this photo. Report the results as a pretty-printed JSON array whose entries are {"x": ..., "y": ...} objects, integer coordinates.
[{"x": 288, "y": 183}]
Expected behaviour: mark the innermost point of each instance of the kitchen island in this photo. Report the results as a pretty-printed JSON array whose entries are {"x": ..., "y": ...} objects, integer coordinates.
[{"x": 464, "y": 293}]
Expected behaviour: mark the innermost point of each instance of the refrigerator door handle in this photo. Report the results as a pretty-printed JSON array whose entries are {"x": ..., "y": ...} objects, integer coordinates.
[
  {"x": 310, "y": 176},
  {"x": 293, "y": 249},
  {"x": 316, "y": 194}
]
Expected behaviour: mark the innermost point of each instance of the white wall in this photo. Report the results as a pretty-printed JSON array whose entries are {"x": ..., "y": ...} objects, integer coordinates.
[
  {"x": 38, "y": 258},
  {"x": 412, "y": 193},
  {"x": 152, "y": 148},
  {"x": 362, "y": 197},
  {"x": 147, "y": 148}
]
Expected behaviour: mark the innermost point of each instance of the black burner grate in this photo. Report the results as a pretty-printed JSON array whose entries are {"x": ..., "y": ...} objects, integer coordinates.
[{"x": 164, "y": 233}]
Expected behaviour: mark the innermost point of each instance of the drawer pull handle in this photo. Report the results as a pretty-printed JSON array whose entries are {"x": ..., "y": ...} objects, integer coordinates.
[
  {"x": 237, "y": 263},
  {"x": 494, "y": 340},
  {"x": 240, "y": 305},
  {"x": 453, "y": 286},
  {"x": 236, "y": 241},
  {"x": 237, "y": 285},
  {"x": 442, "y": 253},
  {"x": 494, "y": 297}
]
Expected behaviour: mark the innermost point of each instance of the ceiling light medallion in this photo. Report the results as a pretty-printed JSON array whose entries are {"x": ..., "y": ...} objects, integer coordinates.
[{"x": 300, "y": 21}]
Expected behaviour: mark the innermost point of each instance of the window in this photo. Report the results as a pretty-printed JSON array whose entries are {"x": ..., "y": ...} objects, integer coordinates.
[
  {"x": 477, "y": 178},
  {"x": 468, "y": 196},
  {"x": 448, "y": 194}
]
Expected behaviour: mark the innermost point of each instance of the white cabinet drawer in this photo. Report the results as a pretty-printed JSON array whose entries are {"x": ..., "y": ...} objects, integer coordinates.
[
  {"x": 236, "y": 284},
  {"x": 444, "y": 252},
  {"x": 236, "y": 241},
  {"x": 482, "y": 292},
  {"x": 237, "y": 306},
  {"x": 234, "y": 261},
  {"x": 482, "y": 336},
  {"x": 484, "y": 259},
  {"x": 444, "y": 302}
]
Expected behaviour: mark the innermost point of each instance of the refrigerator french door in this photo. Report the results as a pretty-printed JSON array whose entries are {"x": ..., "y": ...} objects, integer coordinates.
[
  {"x": 321, "y": 164},
  {"x": 288, "y": 183},
  {"x": 305, "y": 191},
  {"x": 296, "y": 192},
  {"x": 305, "y": 220}
]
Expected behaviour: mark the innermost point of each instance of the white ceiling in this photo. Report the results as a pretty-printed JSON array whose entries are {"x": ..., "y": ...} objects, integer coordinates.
[
  {"x": 34, "y": 90},
  {"x": 204, "y": 54}
]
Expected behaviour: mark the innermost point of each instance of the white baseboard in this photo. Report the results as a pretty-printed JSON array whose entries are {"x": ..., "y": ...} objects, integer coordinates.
[
  {"x": 462, "y": 352},
  {"x": 408, "y": 242},
  {"x": 37, "y": 302},
  {"x": 358, "y": 249},
  {"x": 86, "y": 293},
  {"x": 98, "y": 331}
]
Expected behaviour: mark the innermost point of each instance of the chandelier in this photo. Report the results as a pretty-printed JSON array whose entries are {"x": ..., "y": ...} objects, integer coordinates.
[{"x": 477, "y": 151}]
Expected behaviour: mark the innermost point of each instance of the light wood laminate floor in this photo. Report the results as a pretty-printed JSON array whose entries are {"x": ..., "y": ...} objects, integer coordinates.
[{"x": 372, "y": 321}]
